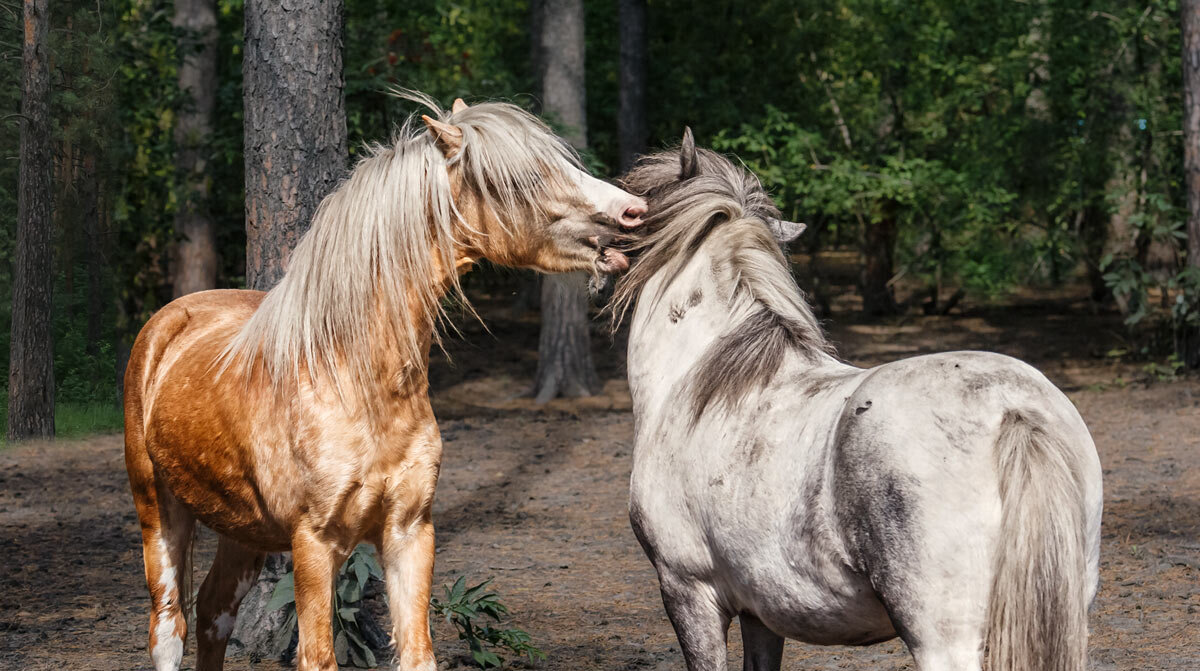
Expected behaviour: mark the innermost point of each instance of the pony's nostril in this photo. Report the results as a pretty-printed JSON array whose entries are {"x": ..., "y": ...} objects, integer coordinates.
[{"x": 632, "y": 216}]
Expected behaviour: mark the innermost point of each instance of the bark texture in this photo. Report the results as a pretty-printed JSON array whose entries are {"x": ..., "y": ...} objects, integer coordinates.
[
  {"x": 31, "y": 367},
  {"x": 196, "y": 254},
  {"x": 295, "y": 153},
  {"x": 564, "y": 97},
  {"x": 295, "y": 137},
  {"x": 632, "y": 129},
  {"x": 96, "y": 249},
  {"x": 565, "y": 366},
  {"x": 1190, "y": 10},
  {"x": 1189, "y": 338}
]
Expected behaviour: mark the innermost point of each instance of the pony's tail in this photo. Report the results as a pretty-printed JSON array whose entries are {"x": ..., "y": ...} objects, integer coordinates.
[{"x": 1037, "y": 614}]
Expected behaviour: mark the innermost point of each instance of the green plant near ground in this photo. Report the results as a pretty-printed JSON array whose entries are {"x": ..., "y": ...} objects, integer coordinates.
[
  {"x": 465, "y": 606},
  {"x": 349, "y": 644}
]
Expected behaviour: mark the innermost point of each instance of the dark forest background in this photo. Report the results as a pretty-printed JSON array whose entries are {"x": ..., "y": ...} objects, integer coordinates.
[{"x": 964, "y": 149}]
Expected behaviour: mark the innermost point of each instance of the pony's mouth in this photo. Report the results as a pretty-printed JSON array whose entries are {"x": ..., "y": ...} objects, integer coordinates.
[{"x": 609, "y": 261}]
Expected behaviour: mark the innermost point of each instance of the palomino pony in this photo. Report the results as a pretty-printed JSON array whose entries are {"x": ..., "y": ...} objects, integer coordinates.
[
  {"x": 953, "y": 499},
  {"x": 299, "y": 419}
]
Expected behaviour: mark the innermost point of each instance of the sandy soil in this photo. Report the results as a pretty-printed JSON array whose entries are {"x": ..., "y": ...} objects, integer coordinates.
[{"x": 537, "y": 498}]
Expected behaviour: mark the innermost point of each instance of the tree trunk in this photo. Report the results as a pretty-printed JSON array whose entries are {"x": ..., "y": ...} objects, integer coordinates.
[
  {"x": 1189, "y": 344},
  {"x": 31, "y": 363},
  {"x": 295, "y": 136},
  {"x": 879, "y": 248},
  {"x": 196, "y": 254},
  {"x": 295, "y": 153},
  {"x": 565, "y": 365},
  {"x": 96, "y": 248},
  {"x": 564, "y": 97},
  {"x": 631, "y": 108},
  {"x": 537, "y": 59}
]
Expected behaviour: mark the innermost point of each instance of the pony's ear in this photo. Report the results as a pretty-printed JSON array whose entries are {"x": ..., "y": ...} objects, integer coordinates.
[
  {"x": 785, "y": 231},
  {"x": 688, "y": 167},
  {"x": 459, "y": 106},
  {"x": 449, "y": 138}
]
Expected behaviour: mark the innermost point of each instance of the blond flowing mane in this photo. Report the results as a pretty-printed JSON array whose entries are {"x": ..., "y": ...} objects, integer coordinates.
[{"x": 366, "y": 274}]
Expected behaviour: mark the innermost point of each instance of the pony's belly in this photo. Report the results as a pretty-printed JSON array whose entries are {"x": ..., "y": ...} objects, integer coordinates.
[
  {"x": 804, "y": 592},
  {"x": 827, "y": 618},
  {"x": 229, "y": 503}
]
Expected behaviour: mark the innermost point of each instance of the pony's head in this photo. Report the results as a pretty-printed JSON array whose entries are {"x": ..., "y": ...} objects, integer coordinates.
[
  {"x": 691, "y": 192},
  {"x": 706, "y": 208},
  {"x": 522, "y": 195},
  {"x": 486, "y": 181}
]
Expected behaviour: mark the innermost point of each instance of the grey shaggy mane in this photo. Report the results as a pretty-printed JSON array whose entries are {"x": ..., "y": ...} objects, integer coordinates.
[{"x": 725, "y": 206}]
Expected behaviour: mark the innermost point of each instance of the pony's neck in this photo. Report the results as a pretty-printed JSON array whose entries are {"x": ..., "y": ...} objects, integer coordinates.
[
  {"x": 394, "y": 363},
  {"x": 674, "y": 325}
]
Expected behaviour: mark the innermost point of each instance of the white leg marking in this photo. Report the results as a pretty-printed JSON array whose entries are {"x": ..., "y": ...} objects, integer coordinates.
[
  {"x": 222, "y": 626},
  {"x": 168, "y": 647}
]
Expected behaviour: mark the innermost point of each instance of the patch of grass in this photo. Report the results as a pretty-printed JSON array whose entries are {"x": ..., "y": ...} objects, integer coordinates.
[{"x": 77, "y": 419}]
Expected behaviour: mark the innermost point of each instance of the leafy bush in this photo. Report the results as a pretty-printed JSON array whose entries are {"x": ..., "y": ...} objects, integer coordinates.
[
  {"x": 349, "y": 644},
  {"x": 461, "y": 608}
]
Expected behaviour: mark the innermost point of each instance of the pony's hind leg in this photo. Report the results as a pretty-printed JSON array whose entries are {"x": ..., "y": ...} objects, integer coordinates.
[
  {"x": 233, "y": 573},
  {"x": 166, "y": 538},
  {"x": 700, "y": 623},
  {"x": 762, "y": 649}
]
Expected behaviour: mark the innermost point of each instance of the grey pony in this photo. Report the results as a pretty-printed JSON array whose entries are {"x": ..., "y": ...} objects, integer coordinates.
[{"x": 952, "y": 500}]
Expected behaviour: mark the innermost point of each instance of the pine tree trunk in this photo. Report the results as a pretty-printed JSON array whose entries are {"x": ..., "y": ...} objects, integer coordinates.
[
  {"x": 96, "y": 248},
  {"x": 1189, "y": 341},
  {"x": 31, "y": 363},
  {"x": 295, "y": 137},
  {"x": 631, "y": 107},
  {"x": 196, "y": 256},
  {"x": 565, "y": 365},
  {"x": 564, "y": 97},
  {"x": 879, "y": 248},
  {"x": 295, "y": 153}
]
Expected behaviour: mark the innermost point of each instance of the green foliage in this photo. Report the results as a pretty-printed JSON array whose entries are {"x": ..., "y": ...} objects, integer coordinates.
[
  {"x": 469, "y": 49},
  {"x": 463, "y": 607},
  {"x": 1013, "y": 144},
  {"x": 349, "y": 644}
]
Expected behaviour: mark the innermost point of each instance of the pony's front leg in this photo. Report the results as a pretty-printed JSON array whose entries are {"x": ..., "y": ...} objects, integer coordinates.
[
  {"x": 701, "y": 624},
  {"x": 314, "y": 562},
  {"x": 407, "y": 550}
]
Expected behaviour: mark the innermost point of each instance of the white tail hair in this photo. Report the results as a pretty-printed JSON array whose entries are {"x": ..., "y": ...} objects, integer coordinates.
[{"x": 1037, "y": 615}]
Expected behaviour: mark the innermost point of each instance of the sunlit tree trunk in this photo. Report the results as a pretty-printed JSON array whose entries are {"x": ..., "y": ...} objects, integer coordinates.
[
  {"x": 295, "y": 125},
  {"x": 631, "y": 107},
  {"x": 1189, "y": 341},
  {"x": 31, "y": 354},
  {"x": 565, "y": 365},
  {"x": 196, "y": 256},
  {"x": 295, "y": 153}
]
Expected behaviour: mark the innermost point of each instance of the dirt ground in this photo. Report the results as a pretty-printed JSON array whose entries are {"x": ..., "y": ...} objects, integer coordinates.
[{"x": 537, "y": 498}]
